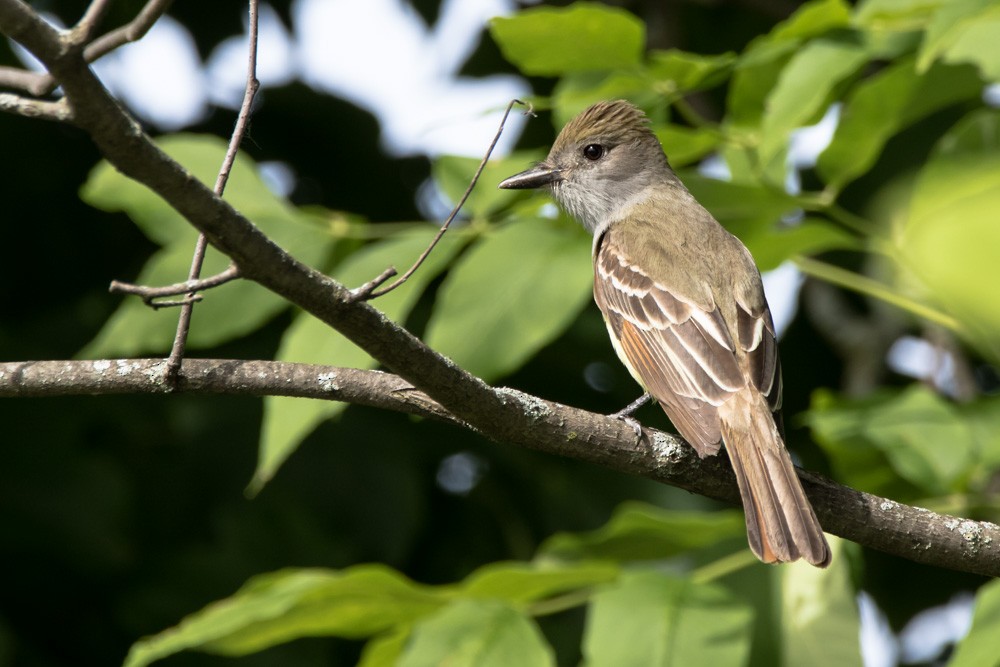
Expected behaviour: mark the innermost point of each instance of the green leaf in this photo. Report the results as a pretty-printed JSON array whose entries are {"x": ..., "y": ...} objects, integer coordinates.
[
  {"x": 227, "y": 312},
  {"x": 516, "y": 290},
  {"x": 685, "y": 145},
  {"x": 923, "y": 437},
  {"x": 812, "y": 19},
  {"x": 676, "y": 72},
  {"x": 668, "y": 76},
  {"x": 804, "y": 89},
  {"x": 656, "y": 620},
  {"x": 953, "y": 29},
  {"x": 983, "y": 417},
  {"x": 981, "y": 647},
  {"x": 896, "y": 15},
  {"x": 743, "y": 205},
  {"x": 949, "y": 240},
  {"x": 638, "y": 531},
  {"x": 384, "y": 650},
  {"x": 585, "y": 36},
  {"x": 520, "y": 583},
  {"x": 453, "y": 174},
  {"x": 287, "y": 421},
  {"x": 761, "y": 64},
  {"x": 477, "y": 633},
  {"x": 820, "y": 624},
  {"x": 772, "y": 244},
  {"x": 575, "y": 92},
  {"x": 883, "y": 105},
  {"x": 282, "y": 606}
]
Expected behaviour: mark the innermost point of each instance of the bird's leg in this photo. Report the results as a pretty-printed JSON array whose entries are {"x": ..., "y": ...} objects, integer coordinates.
[{"x": 625, "y": 414}]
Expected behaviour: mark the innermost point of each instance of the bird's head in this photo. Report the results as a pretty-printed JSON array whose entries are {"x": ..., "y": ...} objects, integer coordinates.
[{"x": 602, "y": 161}]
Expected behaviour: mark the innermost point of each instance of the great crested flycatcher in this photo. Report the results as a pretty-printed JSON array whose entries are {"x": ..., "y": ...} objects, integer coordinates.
[{"x": 685, "y": 309}]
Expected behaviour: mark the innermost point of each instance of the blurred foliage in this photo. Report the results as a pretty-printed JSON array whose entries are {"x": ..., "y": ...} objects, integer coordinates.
[{"x": 122, "y": 516}]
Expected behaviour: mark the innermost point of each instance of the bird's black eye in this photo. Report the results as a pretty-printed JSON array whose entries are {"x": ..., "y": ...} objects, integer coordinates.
[{"x": 593, "y": 151}]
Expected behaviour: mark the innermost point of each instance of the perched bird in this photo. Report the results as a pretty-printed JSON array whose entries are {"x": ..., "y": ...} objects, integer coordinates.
[{"x": 685, "y": 309}]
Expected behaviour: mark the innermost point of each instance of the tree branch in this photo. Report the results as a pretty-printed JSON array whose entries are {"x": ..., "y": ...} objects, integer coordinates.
[
  {"x": 43, "y": 83},
  {"x": 150, "y": 294},
  {"x": 879, "y": 523},
  {"x": 502, "y": 415}
]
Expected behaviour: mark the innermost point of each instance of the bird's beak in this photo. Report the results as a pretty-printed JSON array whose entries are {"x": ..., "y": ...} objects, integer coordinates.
[{"x": 539, "y": 175}]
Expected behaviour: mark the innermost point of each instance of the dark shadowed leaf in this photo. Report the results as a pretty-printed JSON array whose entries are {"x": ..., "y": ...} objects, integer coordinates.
[
  {"x": 288, "y": 420},
  {"x": 232, "y": 310},
  {"x": 638, "y": 531}
]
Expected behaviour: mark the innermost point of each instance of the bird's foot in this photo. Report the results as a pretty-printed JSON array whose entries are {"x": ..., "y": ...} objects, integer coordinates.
[{"x": 625, "y": 414}]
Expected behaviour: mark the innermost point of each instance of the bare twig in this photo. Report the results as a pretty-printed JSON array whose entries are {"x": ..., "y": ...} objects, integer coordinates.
[
  {"x": 198, "y": 258},
  {"x": 370, "y": 289},
  {"x": 189, "y": 287},
  {"x": 43, "y": 83},
  {"x": 58, "y": 111},
  {"x": 85, "y": 27},
  {"x": 33, "y": 83}
]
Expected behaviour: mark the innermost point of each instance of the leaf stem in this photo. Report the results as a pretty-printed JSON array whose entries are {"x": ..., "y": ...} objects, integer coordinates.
[
  {"x": 723, "y": 566},
  {"x": 560, "y": 603},
  {"x": 864, "y": 285}
]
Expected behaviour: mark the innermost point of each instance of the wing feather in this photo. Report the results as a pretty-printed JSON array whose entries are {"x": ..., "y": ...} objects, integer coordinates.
[{"x": 681, "y": 352}]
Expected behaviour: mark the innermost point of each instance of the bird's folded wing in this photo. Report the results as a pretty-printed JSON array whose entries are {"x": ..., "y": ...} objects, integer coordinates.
[{"x": 682, "y": 353}]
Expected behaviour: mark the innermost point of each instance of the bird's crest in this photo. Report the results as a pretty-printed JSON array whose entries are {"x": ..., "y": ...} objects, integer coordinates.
[{"x": 617, "y": 121}]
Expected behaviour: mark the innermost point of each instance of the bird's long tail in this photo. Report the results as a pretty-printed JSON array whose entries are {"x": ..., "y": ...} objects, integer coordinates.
[{"x": 781, "y": 524}]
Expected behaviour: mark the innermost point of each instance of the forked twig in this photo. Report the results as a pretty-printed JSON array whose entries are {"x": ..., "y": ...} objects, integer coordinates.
[
  {"x": 43, "y": 83},
  {"x": 188, "y": 287},
  {"x": 370, "y": 290},
  {"x": 242, "y": 120}
]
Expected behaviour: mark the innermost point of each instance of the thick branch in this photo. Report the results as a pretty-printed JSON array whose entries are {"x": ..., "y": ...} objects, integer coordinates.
[
  {"x": 43, "y": 83},
  {"x": 910, "y": 532},
  {"x": 502, "y": 415},
  {"x": 123, "y": 143}
]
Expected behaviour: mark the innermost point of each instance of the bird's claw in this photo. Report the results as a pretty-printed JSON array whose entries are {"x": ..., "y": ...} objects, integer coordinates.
[{"x": 634, "y": 423}]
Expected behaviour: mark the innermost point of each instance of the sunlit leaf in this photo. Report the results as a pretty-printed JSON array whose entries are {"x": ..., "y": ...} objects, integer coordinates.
[
  {"x": 547, "y": 41},
  {"x": 657, "y": 620},
  {"x": 952, "y": 33},
  {"x": 820, "y": 623},
  {"x": 883, "y": 105},
  {"x": 896, "y": 15},
  {"x": 949, "y": 240},
  {"x": 477, "y": 633},
  {"x": 453, "y": 175},
  {"x": 384, "y": 650},
  {"x": 576, "y": 91},
  {"x": 282, "y": 606},
  {"x": 675, "y": 71},
  {"x": 760, "y": 66},
  {"x": 981, "y": 648},
  {"x": 804, "y": 90},
  {"x": 514, "y": 291},
  {"x": 519, "y": 583}
]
